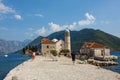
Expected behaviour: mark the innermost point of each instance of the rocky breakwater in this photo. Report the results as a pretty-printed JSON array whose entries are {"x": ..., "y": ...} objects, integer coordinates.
[{"x": 102, "y": 62}]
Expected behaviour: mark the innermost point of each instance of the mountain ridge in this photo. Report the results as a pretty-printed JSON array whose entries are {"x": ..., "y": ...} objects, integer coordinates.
[
  {"x": 85, "y": 35},
  {"x": 9, "y": 46}
]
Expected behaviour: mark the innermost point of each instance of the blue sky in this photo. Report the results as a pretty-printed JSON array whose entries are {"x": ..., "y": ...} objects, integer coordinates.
[{"x": 28, "y": 19}]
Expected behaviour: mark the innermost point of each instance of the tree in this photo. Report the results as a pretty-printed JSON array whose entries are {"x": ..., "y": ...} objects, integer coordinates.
[
  {"x": 65, "y": 51},
  {"x": 33, "y": 48},
  {"x": 23, "y": 50},
  {"x": 53, "y": 52}
]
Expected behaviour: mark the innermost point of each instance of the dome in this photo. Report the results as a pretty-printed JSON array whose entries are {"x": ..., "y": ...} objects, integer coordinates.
[{"x": 54, "y": 40}]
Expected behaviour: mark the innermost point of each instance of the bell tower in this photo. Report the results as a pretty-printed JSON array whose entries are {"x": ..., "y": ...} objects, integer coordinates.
[{"x": 67, "y": 40}]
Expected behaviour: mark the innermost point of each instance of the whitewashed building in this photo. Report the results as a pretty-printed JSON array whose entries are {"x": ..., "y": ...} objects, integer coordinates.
[
  {"x": 47, "y": 45},
  {"x": 94, "y": 49}
]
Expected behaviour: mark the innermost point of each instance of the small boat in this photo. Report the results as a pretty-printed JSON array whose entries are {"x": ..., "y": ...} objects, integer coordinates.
[{"x": 6, "y": 55}]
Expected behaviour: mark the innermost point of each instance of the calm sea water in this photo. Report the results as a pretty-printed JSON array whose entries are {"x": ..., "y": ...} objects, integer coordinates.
[
  {"x": 115, "y": 68},
  {"x": 8, "y": 63}
]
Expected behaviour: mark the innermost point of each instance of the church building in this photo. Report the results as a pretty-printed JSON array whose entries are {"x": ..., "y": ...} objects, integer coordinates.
[
  {"x": 47, "y": 45},
  {"x": 94, "y": 49}
]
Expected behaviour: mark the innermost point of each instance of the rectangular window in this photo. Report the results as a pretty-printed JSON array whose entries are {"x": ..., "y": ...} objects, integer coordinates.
[{"x": 47, "y": 46}]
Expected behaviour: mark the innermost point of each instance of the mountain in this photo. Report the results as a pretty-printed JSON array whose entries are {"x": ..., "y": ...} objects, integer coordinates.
[
  {"x": 90, "y": 35},
  {"x": 57, "y": 35},
  {"x": 36, "y": 41},
  {"x": 85, "y": 35},
  {"x": 12, "y": 46},
  {"x": 26, "y": 41}
]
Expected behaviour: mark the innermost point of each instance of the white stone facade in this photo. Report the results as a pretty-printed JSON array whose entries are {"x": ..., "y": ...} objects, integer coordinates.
[
  {"x": 47, "y": 47},
  {"x": 95, "y": 49}
]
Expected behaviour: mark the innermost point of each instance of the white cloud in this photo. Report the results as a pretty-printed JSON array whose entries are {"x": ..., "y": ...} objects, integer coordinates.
[
  {"x": 30, "y": 34},
  {"x": 4, "y": 28},
  {"x": 34, "y": 33},
  {"x": 41, "y": 31},
  {"x": 53, "y": 28},
  {"x": 31, "y": 29},
  {"x": 39, "y": 15},
  {"x": 90, "y": 17},
  {"x": 84, "y": 22},
  {"x": 89, "y": 20},
  {"x": 18, "y": 17},
  {"x": 6, "y": 9},
  {"x": 72, "y": 26},
  {"x": 56, "y": 27}
]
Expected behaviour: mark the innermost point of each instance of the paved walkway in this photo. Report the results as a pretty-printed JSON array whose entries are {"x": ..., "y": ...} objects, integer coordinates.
[{"x": 43, "y": 68}]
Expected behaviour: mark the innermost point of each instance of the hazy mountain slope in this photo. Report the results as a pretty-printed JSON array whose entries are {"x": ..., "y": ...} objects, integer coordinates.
[{"x": 11, "y": 46}]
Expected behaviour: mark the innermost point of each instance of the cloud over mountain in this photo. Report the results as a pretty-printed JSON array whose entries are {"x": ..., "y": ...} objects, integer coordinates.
[
  {"x": 89, "y": 20},
  {"x": 53, "y": 27}
]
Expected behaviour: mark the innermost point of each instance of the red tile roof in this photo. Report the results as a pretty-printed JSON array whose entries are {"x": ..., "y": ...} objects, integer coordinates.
[
  {"x": 47, "y": 41},
  {"x": 94, "y": 45}
]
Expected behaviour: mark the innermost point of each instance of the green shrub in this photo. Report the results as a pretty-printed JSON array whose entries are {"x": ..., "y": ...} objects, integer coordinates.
[{"x": 53, "y": 52}]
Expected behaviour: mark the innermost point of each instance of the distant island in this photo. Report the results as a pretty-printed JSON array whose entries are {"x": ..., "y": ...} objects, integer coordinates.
[{"x": 85, "y": 35}]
